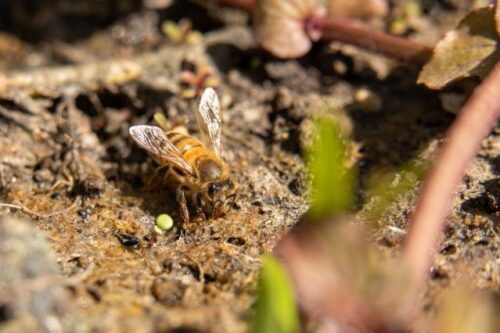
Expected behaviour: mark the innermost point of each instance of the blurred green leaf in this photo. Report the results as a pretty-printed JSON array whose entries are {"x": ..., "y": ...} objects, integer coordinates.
[
  {"x": 276, "y": 310},
  {"x": 386, "y": 190},
  {"x": 332, "y": 181},
  {"x": 466, "y": 311},
  {"x": 469, "y": 50}
]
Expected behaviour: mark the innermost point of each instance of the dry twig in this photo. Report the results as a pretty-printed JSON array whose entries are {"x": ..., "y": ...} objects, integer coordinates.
[{"x": 26, "y": 210}]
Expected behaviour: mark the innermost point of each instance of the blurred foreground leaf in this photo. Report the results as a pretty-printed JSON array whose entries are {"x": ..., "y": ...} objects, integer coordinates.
[
  {"x": 465, "y": 311},
  {"x": 472, "y": 49},
  {"x": 332, "y": 181},
  {"x": 387, "y": 190},
  {"x": 276, "y": 310}
]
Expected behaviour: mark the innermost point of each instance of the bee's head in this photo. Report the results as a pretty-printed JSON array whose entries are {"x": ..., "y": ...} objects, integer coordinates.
[{"x": 219, "y": 197}]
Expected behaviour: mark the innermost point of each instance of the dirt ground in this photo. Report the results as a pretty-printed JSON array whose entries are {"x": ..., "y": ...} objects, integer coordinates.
[{"x": 69, "y": 91}]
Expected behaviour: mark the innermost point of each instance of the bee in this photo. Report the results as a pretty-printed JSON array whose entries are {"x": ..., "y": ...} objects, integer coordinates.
[{"x": 194, "y": 170}]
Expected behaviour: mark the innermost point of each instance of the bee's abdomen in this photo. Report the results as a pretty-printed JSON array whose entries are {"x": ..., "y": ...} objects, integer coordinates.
[{"x": 191, "y": 148}]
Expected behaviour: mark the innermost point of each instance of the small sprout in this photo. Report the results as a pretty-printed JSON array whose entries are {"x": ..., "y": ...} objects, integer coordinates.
[
  {"x": 164, "y": 222},
  {"x": 161, "y": 120},
  {"x": 182, "y": 32},
  {"x": 194, "y": 82}
]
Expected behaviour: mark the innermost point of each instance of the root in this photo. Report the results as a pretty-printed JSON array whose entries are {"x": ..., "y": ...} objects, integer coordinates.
[{"x": 26, "y": 210}]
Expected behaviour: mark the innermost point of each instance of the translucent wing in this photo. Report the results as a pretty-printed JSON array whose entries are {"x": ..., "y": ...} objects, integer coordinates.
[
  {"x": 154, "y": 141},
  {"x": 209, "y": 119}
]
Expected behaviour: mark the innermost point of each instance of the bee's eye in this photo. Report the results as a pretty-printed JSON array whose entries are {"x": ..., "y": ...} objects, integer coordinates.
[{"x": 213, "y": 188}]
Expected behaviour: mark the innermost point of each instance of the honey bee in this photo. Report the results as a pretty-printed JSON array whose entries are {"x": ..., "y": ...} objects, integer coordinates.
[{"x": 196, "y": 172}]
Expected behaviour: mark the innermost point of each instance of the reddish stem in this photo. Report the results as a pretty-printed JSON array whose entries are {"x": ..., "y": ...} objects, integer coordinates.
[
  {"x": 475, "y": 121},
  {"x": 348, "y": 31},
  {"x": 351, "y": 32}
]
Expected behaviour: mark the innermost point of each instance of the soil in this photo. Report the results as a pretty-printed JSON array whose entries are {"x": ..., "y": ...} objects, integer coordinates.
[{"x": 72, "y": 84}]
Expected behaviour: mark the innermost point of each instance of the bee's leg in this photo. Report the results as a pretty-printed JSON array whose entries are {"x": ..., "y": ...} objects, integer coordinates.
[
  {"x": 180, "y": 196},
  {"x": 200, "y": 213}
]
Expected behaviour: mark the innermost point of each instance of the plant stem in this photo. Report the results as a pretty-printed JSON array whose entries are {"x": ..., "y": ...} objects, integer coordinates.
[
  {"x": 348, "y": 31},
  {"x": 475, "y": 121}
]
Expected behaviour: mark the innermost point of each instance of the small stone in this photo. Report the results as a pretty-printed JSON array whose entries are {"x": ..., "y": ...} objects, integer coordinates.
[
  {"x": 127, "y": 239},
  {"x": 367, "y": 101}
]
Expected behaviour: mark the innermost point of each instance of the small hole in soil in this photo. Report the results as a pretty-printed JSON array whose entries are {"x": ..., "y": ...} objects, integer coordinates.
[
  {"x": 6, "y": 312},
  {"x": 114, "y": 100},
  {"x": 209, "y": 278},
  {"x": 95, "y": 293},
  {"x": 438, "y": 273},
  {"x": 449, "y": 249},
  {"x": 483, "y": 242},
  {"x": 193, "y": 269},
  {"x": 83, "y": 103}
]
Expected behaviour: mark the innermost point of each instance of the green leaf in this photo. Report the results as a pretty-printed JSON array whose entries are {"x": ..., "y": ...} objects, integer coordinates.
[
  {"x": 276, "y": 310},
  {"x": 470, "y": 50},
  {"x": 332, "y": 181}
]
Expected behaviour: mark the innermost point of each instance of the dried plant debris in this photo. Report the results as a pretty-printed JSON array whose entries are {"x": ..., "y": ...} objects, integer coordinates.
[{"x": 472, "y": 49}]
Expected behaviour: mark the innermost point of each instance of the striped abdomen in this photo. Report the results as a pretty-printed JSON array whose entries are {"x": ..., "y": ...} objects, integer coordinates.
[{"x": 204, "y": 161}]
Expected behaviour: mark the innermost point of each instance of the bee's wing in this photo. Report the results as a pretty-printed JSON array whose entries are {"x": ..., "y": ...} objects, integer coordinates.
[
  {"x": 154, "y": 141},
  {"x": 209, "y": 119}
]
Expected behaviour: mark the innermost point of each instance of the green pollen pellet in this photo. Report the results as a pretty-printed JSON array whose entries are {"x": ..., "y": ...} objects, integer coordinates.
[{"x": 164, "y": 222}]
